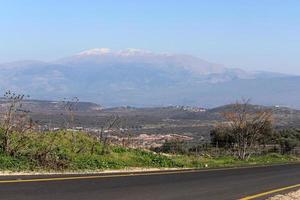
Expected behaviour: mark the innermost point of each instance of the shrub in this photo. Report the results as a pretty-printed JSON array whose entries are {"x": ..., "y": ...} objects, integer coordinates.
[
  {"x": 288, "y": 140},
  {"x": 173, "y": 147}
]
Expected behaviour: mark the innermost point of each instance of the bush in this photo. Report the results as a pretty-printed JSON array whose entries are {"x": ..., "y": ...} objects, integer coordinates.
[
  {"x": 173, "y": 147},
  {"x": 288, "y": 140},
  {"x": 95, "y": 162},
  {"x": 16, "y": 164},
  {"x": 154, "y": 160}
]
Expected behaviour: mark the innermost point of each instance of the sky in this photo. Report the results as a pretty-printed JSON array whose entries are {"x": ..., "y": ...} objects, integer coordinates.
[{"x": 248, "y": 34}]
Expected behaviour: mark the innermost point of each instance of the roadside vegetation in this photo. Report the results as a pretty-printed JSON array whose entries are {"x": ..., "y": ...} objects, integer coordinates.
[
  {"x": 54, "y": 151},
  {"x": 247, "y": 138},
  {"x": 246, "y": 133}
]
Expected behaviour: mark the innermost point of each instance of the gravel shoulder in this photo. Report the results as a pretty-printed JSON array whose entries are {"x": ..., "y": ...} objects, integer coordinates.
[
  {"x": 128, "y": 170},
  {"x": 290, "y": 196}
]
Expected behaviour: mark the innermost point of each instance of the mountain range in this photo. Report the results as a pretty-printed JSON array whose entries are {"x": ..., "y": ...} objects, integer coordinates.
[{"x": 143, "y": 78}]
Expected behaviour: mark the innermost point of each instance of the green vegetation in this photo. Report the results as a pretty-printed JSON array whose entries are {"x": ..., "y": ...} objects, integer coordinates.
[
  {"x": 58, "y": 151},
  {"x": 288, "y": 140},
  {"x": 243, "y": 141},
  {"x": 73, "y": 151},
  {"x": 230, "y": 161},
  {"x": 247, "y": 133}
]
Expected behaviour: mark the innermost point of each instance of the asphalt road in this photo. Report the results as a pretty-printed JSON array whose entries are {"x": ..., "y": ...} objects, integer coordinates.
[{"x": 206, "y": 185}]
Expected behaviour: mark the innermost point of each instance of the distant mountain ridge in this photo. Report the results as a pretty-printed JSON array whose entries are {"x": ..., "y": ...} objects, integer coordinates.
[
  {"x": 143, "y": 78},
  {"x": 51, "y": 107}
]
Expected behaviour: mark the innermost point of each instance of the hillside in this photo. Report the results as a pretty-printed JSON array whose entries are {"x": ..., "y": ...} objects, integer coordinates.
[{"x": 54, "y": 107}]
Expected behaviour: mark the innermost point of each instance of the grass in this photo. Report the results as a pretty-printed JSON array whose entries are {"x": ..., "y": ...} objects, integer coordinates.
[
  {"x": 66, "y": 151},
  {"x": 129, "y": 158},
  {"x": 230, "y": 161}
]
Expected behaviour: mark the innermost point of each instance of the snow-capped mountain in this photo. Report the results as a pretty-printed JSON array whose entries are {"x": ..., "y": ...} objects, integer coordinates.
[{"x": 144, "y": 78}]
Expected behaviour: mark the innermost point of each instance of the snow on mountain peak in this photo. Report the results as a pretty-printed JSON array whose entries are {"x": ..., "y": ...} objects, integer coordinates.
[
  {"x": 132, "y": 52},
  {"x": 124, "y": 53},
  {"x": 94, "y": 52}
]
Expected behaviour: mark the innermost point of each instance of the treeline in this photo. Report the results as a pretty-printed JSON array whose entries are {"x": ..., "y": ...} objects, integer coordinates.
[{"x": 244, "y": 132}]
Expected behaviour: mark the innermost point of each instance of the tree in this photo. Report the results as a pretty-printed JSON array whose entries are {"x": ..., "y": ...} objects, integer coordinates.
[
  {"x": 222, "y": 137},
  {"x": 247, "y": 128},
  {"x": 288, "y": 140},
  {"x": 70, "y": 107},
  {"x": 14, "y": 120},
  {"x": 109, "y": 124}
]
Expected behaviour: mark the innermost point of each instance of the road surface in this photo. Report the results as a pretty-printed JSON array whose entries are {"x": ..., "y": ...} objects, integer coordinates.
[{"x": 206, "y": 185}]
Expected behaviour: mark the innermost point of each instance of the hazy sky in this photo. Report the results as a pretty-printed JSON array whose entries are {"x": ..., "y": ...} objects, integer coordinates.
[{"x": 250, "y": 34}]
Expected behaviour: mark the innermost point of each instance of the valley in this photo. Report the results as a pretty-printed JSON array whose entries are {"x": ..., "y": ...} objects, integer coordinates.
[{"x": 144, "y": 127}]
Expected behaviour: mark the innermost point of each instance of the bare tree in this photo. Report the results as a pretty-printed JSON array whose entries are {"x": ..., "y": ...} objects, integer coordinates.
[
  {"x": 248, "y": 128},
  {"x": 112, "y": 122},
  {"x": 14, "y": 119},
  {"x": 126, "y": 133},
  {"x": 70, "y": 107}
]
